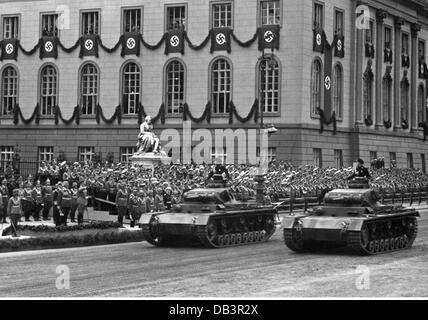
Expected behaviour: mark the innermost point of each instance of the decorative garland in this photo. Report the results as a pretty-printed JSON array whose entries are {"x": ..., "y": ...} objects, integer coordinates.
[
  {"x": 141, "y": 114},
  {"x": 254, "y": 112},
  {"x": 323, "y": 120},
  {"x": 78, "y": 43},
  {"x": 424, "y": 126}
]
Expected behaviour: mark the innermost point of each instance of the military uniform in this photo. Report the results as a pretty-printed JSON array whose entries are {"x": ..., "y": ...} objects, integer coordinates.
[
  {"x": 4, "y": 201},
  {"x": 122, "y": 204},
  {"x": 47, "y": 194},
  {"x": 73, "y": 208},
  {"x": 65, "y": 203},
  {"x": 81, "y": 203},
  {"x": 134, "y": 208},
  {"x": 14, "y": 209},
  {"x": 28, "y": 202},
  {"x": 38, "y": 203}
]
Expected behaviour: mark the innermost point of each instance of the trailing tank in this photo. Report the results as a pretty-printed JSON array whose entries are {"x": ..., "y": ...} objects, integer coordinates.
[
  {"x": 352, "y": 218},
  {"x": 210, "y": 217}
]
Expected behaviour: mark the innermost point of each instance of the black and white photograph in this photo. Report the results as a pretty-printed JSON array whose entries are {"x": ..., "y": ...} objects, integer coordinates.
[{"x": 213, "y": 150}]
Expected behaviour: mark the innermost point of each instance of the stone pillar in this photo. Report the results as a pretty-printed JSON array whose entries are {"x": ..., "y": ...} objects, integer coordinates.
[
  {"x": 398, "y": 21},
  {"x": 377, "y": 113},
  {"x": 414, "y": 57}
]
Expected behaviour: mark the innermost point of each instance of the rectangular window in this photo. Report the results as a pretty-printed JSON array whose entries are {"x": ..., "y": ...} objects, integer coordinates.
[
  {"x": 126, "y": 153},
  {"x": 86, "y": 153},
  {"x": 132, "y": 20},
  {"x": 423, "y": 163},
  {"x": 421, "y": 50},
  {"x": 270, "y": 12},
  {"x": 318, "y": 15},
  {"x": 338, "y": 158},
  {"x": 271, "y": 154},
  {"x": 373, "y": 155},
  {"x": 338, "y": 22},
  {"x": 388, "y": 38},
  {"x": 405, "y": 44},
  {"x": 90, "y": 23},
  {"x": 317, "y": 155},
  {"x": 410, "y": 160},
  {"x": 392, "y": 159},
  {"x": 46, "y": 154},
  {"x": 175, "y": 17},
  {"x": 370, "y": 33},
  {"x": 11, "y": 27},
  {"x": 221, "y": 15},
  {"x": 6, "y": 153},
  {"x": 50, "y": 25}
]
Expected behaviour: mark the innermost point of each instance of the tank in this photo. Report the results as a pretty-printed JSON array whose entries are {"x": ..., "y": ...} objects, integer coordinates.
[
  {"x": 352, "y": 218},
  {"x": 210, "y": 217}
]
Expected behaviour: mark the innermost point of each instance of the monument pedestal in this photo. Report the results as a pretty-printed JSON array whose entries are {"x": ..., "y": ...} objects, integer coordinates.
[{"x": 150, "y": 160}]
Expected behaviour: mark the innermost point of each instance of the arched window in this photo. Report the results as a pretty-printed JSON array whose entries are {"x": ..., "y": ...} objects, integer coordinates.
[
  {"x": 404, "y": 91},
  {"x": 387, "y": 97},
  {"x": 269, "y": 85},
  {"x": 316, "y": 86},
  {"x": 174, "y": 87},
  {"x": 221, "y": 85},
  {"x": 10, "y": 90},
  {"x": 337, "y": 90},
  {"x": 131, "y": 88},
  {"x": 48, "y": 90},
  {"x": 88, "y": 89},
  {"x": 421, "y": 103},
  {"x": 368, "y": 94}
]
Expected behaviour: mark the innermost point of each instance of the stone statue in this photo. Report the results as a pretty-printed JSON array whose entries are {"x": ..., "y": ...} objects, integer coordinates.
[{"x": 147, "y": 140}]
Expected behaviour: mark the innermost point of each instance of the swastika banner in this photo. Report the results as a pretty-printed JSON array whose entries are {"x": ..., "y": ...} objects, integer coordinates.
[
  {"x": 328, "y": 63},
  {"x": 9, "y": 49},
  {"x": 49, "y": 47},
  {"x": 174, "y": 41},
  {"x": 269, "y": 37},
  {"x": 89, "y": 46},
  {"x": 131, "y": 44},
  {"x": 319, "y": 40},
  {"x": 423, "y": 72},
  {"x": 339, "y": 46},
  {"x": 220, "y": 39}
]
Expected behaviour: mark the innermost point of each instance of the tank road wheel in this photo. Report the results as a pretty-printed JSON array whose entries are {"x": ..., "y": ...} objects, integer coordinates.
[
  {"x": 376, "y": 245},
  {"x": 257, "y": 236},
  {"x": 226, "y": 240},
  {"x": 397, "y": 243},
  {"x": 386, "y": 244},
  {"x": 150, "y": 235},
  {"x": 233, "y": 239},
  {"x": 381, "y": 245},
  {"x": 262, "y": 236},
  {"x": 391, "y": 244},
  {"x": 412, "y": 231},
  {"x": 239, "y": 238},
  {"x": 402, "y": 242},
  {"x": 245, "y": 237},
  {"x": 251, "y": 237},
  {"x": 372, "y": 247},
  {"x": 365, "y": 237}
]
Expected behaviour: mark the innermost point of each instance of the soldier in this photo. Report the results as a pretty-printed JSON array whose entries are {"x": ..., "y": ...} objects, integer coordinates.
[
  {"x": 134, "y": 206},
  {"x": 82, "y": 202},
  {"x": 65, "y": 203},
  {"x": 4, "y": 200},
  {"x": 122, "y": 202},
  {"x": 56, "y": 208},
  {"x": 74, "y": 190},
  {"x": 360, "y": 171},
  {"x": 112, "y": 190},
  {"x": 167, "y": 198},
  {"x": 47, "y": 194},
  {"x": 14, "y": 210},
  {"x": 28, "y": 201},
  {"x": 38, "y": 201}
]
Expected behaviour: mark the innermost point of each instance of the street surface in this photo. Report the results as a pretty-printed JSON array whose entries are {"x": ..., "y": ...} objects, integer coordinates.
[{"x": 263, "y": 270}]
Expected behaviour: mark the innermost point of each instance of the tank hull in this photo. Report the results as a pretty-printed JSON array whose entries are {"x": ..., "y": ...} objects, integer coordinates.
[
  {"x": 210, "y": 230},
  {"x": 368, "y": 235}
]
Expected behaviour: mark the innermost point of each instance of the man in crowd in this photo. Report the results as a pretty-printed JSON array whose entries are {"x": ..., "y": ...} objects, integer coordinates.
[{"x": 360, "y": 171}]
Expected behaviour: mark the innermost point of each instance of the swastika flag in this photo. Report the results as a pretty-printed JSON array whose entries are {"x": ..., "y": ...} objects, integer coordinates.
[
  {"x": 49, "y": 47},
  {"x": 220, "y": 39},
  {"x": 9, "y": 49},
  {"x": 174, "y": 41},
  {"x": 269, "y": 37},
  {"x": 339, "y": 46},
  {"x": 89, "y": 46},
  {"x": 131, "y": 44},
  {"x": 319, "y": 40}
]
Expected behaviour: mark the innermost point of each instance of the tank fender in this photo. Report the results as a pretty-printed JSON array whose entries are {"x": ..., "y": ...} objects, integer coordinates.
[
  {"x": 355, "y": 224},
  {"x": 146, "y": 218},
  {"x": 201, "y": 220},
  {"x": 288, "y": 221}
]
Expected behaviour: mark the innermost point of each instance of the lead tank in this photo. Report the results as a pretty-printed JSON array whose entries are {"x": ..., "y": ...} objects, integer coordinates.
[
  {"x": 352, "y": 218},
  {"x": 210, "y": 217}
]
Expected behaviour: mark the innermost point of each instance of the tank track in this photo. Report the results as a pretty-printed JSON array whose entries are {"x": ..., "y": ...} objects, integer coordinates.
[
  {"x": 210, "y": 236},
  {"x": 370, "y": 242},
  {"x": 148, "y": 235},
  {"x": 292, "y": 239}
]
